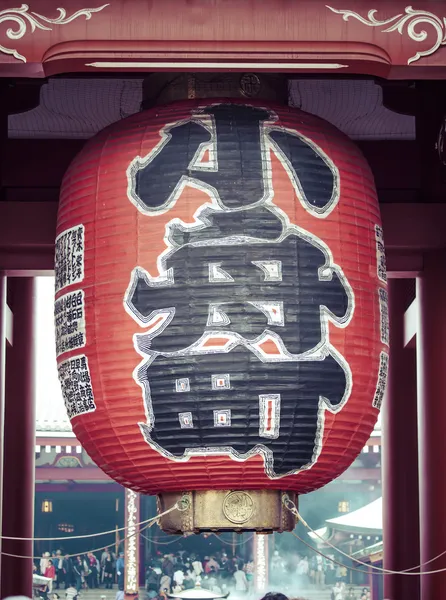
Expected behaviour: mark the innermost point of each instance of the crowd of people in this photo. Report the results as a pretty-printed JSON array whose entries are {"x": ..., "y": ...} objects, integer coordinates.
[
  {"x": 219, "y": 573},
  {"x": 172, "y": 573},
  {"x": 86, "y": 571},
  {"x": 294, "y": 571}
]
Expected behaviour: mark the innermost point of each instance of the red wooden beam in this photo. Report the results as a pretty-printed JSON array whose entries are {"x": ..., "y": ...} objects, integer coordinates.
[
  {"x": 414, "y": 226},
  {"x": 403, "y": 265},
  {"x": 27, "y": 232},
  {"x": 308, "y": 32}
]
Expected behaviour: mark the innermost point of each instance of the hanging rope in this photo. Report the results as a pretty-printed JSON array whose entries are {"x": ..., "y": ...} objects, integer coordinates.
[
  {"x": 87, "y": 535},
  {"x": 290, "y": 505},
  {"x": 68, "y": 537},
  {"x": 241, "y": 543},
  {"x": 333, "y": 560},
  {"x": 181, "y": 506},
  {"x": 156, "y": 542}
]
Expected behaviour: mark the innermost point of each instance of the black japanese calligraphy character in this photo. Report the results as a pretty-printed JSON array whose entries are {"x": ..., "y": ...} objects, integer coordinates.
[
  {"x": 288, "y": 303},
  {"x": 303, "y": 387},
  {"x": 75, "y": 382},
  {"x": 257, "y": 222},
  {"x": 240, "y": 269},
  {"x": 69, "y": 258},
  {"x": 240, "y": 179},
  {"x": 310, "y": 171}
]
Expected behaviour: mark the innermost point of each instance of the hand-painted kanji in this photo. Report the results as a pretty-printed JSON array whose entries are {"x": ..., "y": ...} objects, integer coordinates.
[
  {"x": 305, "y": 387},
  {"x": 236, "y": 137},
  {"x": 241, "y": 293},
  {"x": 244, "y": 272}
]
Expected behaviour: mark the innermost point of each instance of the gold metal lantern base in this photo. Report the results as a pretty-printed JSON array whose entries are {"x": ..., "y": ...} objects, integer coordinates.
[{"x": 226, "y": 510}]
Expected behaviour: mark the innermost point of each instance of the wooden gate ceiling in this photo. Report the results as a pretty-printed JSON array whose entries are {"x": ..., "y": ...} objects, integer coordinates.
[{"x": 385, "y": 38}]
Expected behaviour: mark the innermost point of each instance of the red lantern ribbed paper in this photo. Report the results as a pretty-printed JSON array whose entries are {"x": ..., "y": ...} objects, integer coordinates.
[{"x": 221, "y": 304}]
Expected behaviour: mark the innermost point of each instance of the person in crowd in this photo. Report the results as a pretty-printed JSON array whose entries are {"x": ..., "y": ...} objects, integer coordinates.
[
  {"x": 211, "y": 565},
  {"x": 189, "y": 580},
  {"x": 152, "y": 582},
  {"x": 189, "y": 573},
  {"x": 107, "y": 556},
  {"x": 104, "y": 555},
  {"x": 330, "y": 571},
  {"x": 50, "y": 572},
  {"x": 197, "y": 565},
  {"x": 249, "y": 571},
  {"x": 319, "y": 579},
  {"x": 337, "y": 592},
  {"x": 71, "y": 593},
  {"x": 58, "y": 563},
  {"x": 163, "y": 594},
  {"x": 105, "y": 551},
  {"x": 168, "y": 566},
  {"x": 85, "y": 571},
  {"x": 44, "y": 562},
  {"x": 120, "y": 566},
  {"x": 351, "y": 594},
  {"x": 67, "y": 571},
  {"x": 107, "y": 570},
  {"x": 241, "y": 583},
  {"x": 227, "y": 568},
  {"x": 93, "y": 570},
  {"x": 78, "y": 570},
  {"x": 165, "y": 583},
  {"x": 274, "y": 596},
  {"x": 212, "y": 582},
  {"x": 178, "y": 577}
]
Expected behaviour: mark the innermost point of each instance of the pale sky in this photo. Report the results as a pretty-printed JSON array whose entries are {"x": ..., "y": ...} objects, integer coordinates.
[{"x": 50, "y": 407}]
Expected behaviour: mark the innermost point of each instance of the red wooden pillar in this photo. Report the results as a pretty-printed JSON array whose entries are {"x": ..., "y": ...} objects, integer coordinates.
[
  {"x": 19, "y": 445},
  {"x": 400, "y": 454},
  {"x": 131, "y": 545},
  {"x": 431, "y": 373},
  {"x": 376, "y": 586},
  {"x": 3, "y": 323}
]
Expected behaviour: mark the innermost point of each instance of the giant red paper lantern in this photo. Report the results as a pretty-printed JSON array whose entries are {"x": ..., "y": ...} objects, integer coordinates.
[{"x": 221, "y": 304}]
